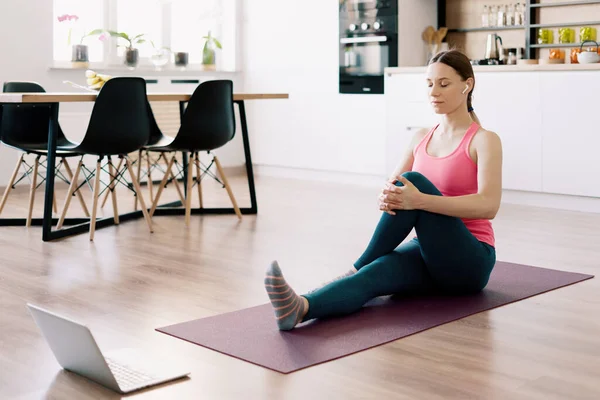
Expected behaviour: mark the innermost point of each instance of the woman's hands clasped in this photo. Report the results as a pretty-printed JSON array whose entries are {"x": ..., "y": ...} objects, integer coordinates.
[{"x": 394, "y": 197}]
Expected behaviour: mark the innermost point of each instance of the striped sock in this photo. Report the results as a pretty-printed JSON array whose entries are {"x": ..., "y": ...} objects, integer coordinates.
[{"x": 288, "y": 306}]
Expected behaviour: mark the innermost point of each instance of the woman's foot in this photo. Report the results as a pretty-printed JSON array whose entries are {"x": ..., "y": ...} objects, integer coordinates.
[
  {"x": 288, "y": 306},
  {"x": 351, "y": 272}
]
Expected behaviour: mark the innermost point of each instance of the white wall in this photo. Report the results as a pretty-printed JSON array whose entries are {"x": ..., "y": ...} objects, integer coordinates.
[{"x": 292, "y": 47}]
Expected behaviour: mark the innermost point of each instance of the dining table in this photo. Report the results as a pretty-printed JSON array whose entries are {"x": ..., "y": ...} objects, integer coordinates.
[{"x": 79, "y": 225}]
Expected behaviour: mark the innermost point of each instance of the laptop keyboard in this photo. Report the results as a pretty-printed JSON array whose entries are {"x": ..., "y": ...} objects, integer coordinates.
[{"x": 126, "y": 376}]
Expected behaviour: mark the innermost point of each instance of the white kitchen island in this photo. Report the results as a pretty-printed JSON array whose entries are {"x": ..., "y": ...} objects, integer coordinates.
[{"x": 546, "y": 115}]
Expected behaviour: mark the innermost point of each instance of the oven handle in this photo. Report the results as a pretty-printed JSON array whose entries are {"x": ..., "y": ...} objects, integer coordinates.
[{"x": 365, "y": 39}]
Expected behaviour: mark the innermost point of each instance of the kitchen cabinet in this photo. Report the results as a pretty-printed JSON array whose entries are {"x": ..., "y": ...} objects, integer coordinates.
[
  {"x": 407, "y": 111},
  {"x": 571, "y": 133},
  {"x": 545, "y": 119},
  {"x": 509, "y": 104}
]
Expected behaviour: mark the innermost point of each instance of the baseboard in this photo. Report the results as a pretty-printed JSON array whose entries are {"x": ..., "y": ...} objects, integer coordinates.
[
  {"x": 320, "y": 175},
  {"x": 550, "y": 200}
]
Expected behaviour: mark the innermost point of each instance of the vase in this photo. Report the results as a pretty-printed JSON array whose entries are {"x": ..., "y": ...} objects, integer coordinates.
[
  {"x": 181, "y": 59},
  {"x": 159, "y": 58},
  {"x": 79, "y": 55},
  {"x": 131, "y": 57}
]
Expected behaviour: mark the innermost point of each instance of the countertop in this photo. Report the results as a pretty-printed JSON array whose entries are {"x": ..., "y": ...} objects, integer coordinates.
[{"x": 505, "y": 68}]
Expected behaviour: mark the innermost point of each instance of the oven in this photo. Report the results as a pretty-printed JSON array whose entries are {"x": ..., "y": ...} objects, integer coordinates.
[{"x": 368, "y": 34}]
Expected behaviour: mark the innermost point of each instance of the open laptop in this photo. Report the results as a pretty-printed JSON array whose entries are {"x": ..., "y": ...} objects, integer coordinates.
[{"x": 123, "y": 370}]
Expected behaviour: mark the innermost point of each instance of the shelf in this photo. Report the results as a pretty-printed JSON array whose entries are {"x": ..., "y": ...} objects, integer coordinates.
[
  {"x": 565, "y": 4},
  {"x": 488, "y": 29},
  {"x": 566, "y": 24},
  {"x": 557, "y": 45}
]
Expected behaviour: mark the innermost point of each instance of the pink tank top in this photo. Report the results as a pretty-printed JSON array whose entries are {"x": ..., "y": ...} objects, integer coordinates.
[{"x": 454, "y": 175}]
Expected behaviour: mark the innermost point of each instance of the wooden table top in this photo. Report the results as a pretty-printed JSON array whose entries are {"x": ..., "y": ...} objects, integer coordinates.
[{"x": 57, "y": 97}]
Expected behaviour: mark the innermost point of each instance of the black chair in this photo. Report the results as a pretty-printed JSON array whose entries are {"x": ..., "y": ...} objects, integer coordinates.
[
  {"x": 119, "y": 125},
  {"x": 157, "y": 138},
  {"x": 25, "y": 128},
  {"x": 207, "y": 124}
]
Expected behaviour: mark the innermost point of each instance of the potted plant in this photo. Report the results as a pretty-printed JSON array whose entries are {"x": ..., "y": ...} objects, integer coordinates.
[
  {"x": 160, "y": 55},
  {"x": 79, "y": 51},
  {"x": 131, "y": 52},
  {"x": 209, "y": 51}
]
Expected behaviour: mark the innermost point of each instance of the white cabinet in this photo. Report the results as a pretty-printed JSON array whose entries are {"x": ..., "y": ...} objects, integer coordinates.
[
  {"x": 546, "y": 119},
  {"x": 509, "y": 104},
  {"x": 407, "y": 111},
  {"x": 571, "y": 129}
]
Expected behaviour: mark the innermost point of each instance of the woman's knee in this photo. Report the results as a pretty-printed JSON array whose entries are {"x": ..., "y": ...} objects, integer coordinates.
[{"x": 420, "y": 181}]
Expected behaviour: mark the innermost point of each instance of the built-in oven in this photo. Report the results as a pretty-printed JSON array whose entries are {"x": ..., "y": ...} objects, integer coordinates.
[{"x": 368, "y": 43}]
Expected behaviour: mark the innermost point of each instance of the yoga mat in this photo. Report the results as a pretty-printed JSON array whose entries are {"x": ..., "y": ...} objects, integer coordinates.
[{"x": 251, "y": 334}]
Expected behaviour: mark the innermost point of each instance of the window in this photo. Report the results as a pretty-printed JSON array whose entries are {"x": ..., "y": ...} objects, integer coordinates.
[
  {"x": 177, "y": 24},
  {"x": 190, "y": 21},
  {"x": 135, "y": 17},
  {"x": 73, "y": 19}
]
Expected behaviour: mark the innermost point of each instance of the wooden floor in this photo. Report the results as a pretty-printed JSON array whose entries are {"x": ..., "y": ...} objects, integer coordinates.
[{"x": 128, "y": 282}]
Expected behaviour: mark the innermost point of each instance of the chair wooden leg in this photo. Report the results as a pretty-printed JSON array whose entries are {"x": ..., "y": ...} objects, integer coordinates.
[
  {"x": 188, "y": 199},
  {"x": 54, "y": 205},
  {"x": 163, "y": 183},
  {"x": 72, "y": 188},
  {"x": 139, "y": 193},
  {"x": 113, "y": 189},
  {"x": 150, "y": 185},
  {"x": 11, "y": 182},
  {"x": 229, "y": 192},
  {"x": 32, "y": 190},
  {"x": 199, "y": 179},
  {"x": 95, "y": 201},
  {"x": 107, "y": 194},
  {"x": 78, "y": 193},
  {"x": 139, "y": 173},
  {"x": 175, "y": 181}
]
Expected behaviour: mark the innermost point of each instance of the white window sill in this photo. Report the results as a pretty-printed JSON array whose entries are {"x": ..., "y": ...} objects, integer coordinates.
[{"x": 169, "y": 69}]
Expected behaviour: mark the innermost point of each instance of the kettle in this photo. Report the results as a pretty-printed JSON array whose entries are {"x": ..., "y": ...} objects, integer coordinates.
[
  {"x": 590, "y": 56},
  {"x": 492, "y": 51}
]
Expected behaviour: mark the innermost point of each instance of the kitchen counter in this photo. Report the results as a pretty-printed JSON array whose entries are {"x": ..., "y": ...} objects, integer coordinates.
[{"x": 505, "y": 68}]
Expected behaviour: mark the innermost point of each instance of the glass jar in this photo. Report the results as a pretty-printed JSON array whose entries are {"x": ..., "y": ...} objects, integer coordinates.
[
  {"x": 518, "y": 14},
  {"x": 545, "y": 36},
  {"x": 510, "y": 15},
  {"x": 566, "y": 35},
  {"x": 512, "y": 57},
  {"x": 587, "y": 33},
  {"x": 557, "y": 54},
  {"x": 501, "y": 16},
  {"x": 485, "y": 17},
  {"x": 493, "y": 17},
  {"x": 574, "y": 52}
]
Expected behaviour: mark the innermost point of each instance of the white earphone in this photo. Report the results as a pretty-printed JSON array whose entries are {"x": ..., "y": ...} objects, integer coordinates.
[{"x": 466, "y": 88}]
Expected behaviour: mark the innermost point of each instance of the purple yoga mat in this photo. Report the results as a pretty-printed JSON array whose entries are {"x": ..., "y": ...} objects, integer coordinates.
[{"x": 251, "y": 334}]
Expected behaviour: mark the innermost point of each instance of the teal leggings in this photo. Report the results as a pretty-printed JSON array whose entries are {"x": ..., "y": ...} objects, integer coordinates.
[{"x": 446, "y": 258}]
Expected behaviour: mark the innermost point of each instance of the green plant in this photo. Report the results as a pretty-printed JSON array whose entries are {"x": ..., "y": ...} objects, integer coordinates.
[
  {"x": 158, "y": 49},
  {"x": 208, "y": 52},
  {"x": 131, "y": 40}
]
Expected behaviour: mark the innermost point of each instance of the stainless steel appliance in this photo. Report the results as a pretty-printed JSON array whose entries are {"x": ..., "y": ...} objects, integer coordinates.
[
  {"x": 368, "y": 44},
  {"x": 492, "y": 50}
]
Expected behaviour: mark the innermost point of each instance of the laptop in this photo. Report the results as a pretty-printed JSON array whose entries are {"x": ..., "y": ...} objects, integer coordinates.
[{"x": 123, "y": 370}]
